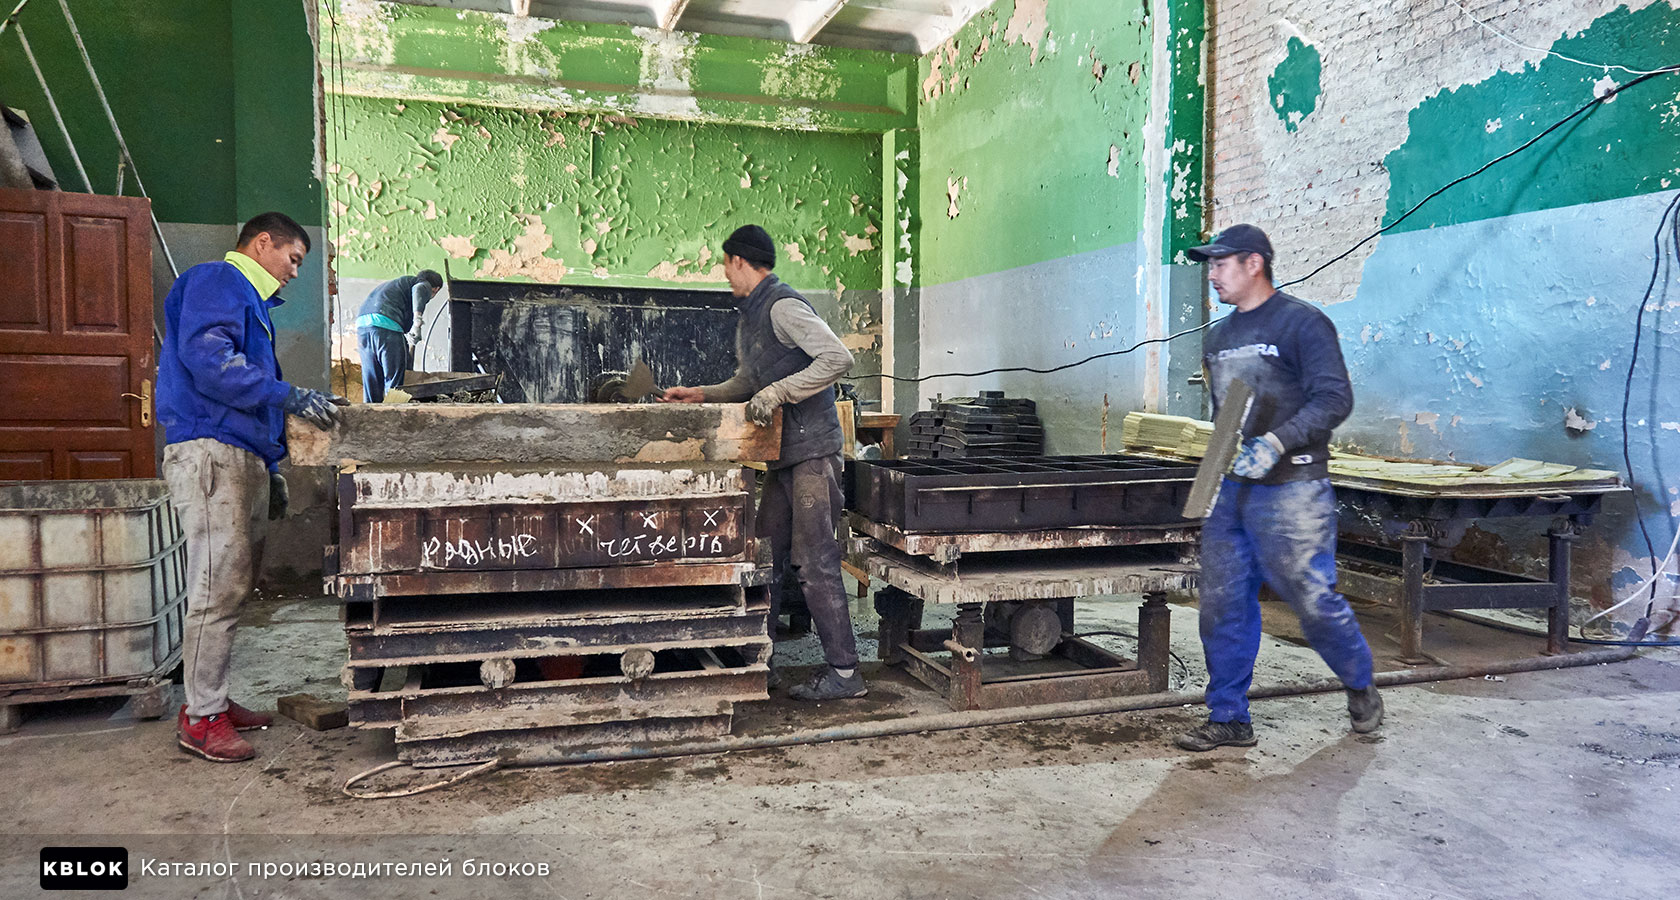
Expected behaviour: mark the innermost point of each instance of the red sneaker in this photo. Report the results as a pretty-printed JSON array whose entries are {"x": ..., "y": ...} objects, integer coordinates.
[
  {"x": 212, "y": 738},
  {"x": 244, "y": 719}
]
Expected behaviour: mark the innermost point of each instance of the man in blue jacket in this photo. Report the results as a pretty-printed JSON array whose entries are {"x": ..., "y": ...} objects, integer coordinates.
[
  {"x": 395, "y": 308},
  {"x": 223, "y": 407},
  {"x": 1275, "y": 519}
]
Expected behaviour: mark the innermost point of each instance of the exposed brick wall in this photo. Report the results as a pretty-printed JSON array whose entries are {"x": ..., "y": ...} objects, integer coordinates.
[{"x": 1318, "y": 190}]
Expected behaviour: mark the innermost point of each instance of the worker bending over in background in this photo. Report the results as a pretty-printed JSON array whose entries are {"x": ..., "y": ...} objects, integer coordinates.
[
  {"x": 1275, "y": 519},
  {"x": 223, "y": 407},
  {"x": 788, "y": 357},
  {"x": 392, "y": 310}
]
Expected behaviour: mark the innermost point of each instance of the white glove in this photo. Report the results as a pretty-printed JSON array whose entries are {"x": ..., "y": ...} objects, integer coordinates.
[
  {"x": 1259, "y": 456},
  {"x": 762, "y": 407}
]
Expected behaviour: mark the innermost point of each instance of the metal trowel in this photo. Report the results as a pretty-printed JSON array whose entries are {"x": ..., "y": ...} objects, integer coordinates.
[
  {"x": 1221, "y": 450},
  {"x": 639, "y": 383},
  {"x": 631, "y": 387}
]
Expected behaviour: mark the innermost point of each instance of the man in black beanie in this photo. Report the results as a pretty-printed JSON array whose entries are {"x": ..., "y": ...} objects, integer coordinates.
[{"x": 790, "y": 358}]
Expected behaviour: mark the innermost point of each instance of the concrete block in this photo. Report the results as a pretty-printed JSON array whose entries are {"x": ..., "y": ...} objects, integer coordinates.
[
  {"x": 313, "y": 712},
  {"x": 420, "y": 434}
]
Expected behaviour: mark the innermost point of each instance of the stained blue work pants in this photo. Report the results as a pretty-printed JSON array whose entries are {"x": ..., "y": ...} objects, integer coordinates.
[
  {"x": 384, "y": 360},
  {"x": 1285, "y": 536}
]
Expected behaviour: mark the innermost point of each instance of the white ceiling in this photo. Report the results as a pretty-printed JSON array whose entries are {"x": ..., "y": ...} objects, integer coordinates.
[{"x": 901, "y": 26}]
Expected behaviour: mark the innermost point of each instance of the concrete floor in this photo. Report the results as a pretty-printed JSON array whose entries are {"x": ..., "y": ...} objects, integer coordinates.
[{"x": 1558, "y": 784}]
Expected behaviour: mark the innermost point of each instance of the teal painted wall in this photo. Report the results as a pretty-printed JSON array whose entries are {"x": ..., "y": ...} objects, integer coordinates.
[
  {"x": 1622, "y": 148},
  {"x": 168, "y": 68}
]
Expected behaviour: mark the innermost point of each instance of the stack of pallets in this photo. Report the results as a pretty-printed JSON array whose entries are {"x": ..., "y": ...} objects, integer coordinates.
[
  {"x": 548, "y": 592},
  {"x": 988, "y": 425}
]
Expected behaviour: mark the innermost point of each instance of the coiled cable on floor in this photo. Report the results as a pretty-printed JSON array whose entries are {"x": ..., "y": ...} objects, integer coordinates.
[{"x": 480, "y": 769}]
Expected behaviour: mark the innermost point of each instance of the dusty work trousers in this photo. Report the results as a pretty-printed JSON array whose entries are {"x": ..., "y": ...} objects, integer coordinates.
[
  {"x": 1285, "y": 536},
  {"x": 384, "y": 356},
  {"x": 220, "y": 493},
  {"x": 798, "y": 513}
]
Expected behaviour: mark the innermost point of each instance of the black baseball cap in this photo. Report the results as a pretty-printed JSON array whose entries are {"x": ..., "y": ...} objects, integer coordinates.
[{"x": 1236, "y": 239}]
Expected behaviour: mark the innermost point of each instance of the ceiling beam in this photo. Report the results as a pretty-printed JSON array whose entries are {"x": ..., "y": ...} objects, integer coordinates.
[
  {"x": 809, "y": 33},
  {"x": 673, "y": 13}
]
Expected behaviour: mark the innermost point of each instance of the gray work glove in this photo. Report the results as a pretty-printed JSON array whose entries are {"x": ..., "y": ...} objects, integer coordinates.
[
  {"x": 1259, "y": 456},
  {"x": 279, "y": 498},
  {"x": 762, "y": 407},
  {"x": 318, "y": 408}
]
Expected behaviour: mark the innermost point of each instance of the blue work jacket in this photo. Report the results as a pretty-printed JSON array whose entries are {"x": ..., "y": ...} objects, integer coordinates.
[{"x": 218, "y": 376}]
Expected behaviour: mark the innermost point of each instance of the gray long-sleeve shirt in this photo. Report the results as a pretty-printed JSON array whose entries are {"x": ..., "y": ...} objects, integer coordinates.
[{"x": 796, "y": 325}]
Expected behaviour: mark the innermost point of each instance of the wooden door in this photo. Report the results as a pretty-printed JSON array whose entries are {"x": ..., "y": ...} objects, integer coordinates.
[{"x": 77, "y": 368}]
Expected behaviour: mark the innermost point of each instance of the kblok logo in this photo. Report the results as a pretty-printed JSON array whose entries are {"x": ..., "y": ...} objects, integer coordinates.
[{"x": 84, "y": 868}]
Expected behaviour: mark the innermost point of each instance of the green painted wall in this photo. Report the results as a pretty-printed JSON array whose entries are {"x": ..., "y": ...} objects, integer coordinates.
[
  {"x": 554, "y": 197},
  {"x": 1031, "y": 124},
  {"x": 1293, "y": 85},
  {"x": 419, "y": 52},
  {"x": 1622, "y": 148},
  {"x": 168, "y": 68},
  {"x": 274, "y": 111},
  {"x": 1186, "y": 214},
  {"x": 216, "y": 101}
]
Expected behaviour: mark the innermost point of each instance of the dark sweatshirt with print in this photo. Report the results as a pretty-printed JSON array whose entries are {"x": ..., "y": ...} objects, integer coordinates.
[{"x": 1286, "y": 350}]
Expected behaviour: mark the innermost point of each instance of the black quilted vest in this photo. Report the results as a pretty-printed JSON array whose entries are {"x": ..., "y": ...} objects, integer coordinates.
[{"x": 811, "y": 427}]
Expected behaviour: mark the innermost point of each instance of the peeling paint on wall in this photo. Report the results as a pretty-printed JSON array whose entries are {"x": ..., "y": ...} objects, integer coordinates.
[
  {"x": 1024, "y": 205},
  {"x": 1625, "y": 147},
  {"x": 1509, "y": 300},
  {"x": 1028, "y": 26},
  {"x": 1294, "y": 84},
  {"x": 618, "y": 200},
  {"x": 1032, "y": 145},
  {"x": 400, "y": 51},
  {"x": 625, "y": 200}
]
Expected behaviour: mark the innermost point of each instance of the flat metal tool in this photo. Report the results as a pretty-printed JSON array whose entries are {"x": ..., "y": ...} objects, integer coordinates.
[
  {"x": 632, "y": 387},
  {"x": 1222, "y": 449},
  {"x": 639, "y": 383}
]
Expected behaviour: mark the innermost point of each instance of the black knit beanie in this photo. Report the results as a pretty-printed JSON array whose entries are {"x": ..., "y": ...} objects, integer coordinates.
[{"x": 752, "y": 244}]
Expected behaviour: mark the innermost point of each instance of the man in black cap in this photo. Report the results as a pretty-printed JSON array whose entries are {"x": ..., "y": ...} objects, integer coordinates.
[
  {"x": 790, "y": 358},
  {"x": 1275, "y": 520}
]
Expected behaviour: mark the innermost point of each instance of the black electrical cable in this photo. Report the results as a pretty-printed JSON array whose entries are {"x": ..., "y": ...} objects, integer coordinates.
[
  {"x": 1159, "y": 340},
  {"x": 1183, "y": 669},
  {"x": 1590, "y": 104},
  {"x": 1627, "y": 389},
  {"x": 1666, "y": 70}
]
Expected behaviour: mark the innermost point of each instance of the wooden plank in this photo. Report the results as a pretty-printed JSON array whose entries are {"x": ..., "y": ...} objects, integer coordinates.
[
  {"x": 419, "y": 434},
  {"x": 313, "y": 712}
]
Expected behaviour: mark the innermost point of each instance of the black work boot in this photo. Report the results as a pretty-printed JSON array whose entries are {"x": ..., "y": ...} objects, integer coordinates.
[
  {"x": 1365, "y": 708},
  {"x": 1211, "y": 734},
  {"x": 827, "y": 684},
  {"x": 775, "y": 680}
]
